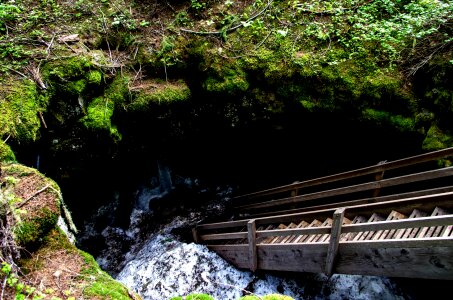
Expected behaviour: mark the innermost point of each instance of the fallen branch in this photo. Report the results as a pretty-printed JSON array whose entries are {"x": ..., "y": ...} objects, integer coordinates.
[
  {"x": 32, "y": 196},
  {"x": 42, "y": 120},
  {"x": 229, "y": 29}
]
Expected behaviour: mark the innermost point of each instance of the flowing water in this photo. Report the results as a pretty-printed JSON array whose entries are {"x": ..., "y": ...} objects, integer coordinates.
[{"x": 162, "y": 263}]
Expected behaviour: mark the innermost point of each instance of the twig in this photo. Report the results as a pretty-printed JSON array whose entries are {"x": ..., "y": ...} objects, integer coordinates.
[
  {"x": 229, "y": 29},
  {"x": 34, "y": 195},
  {"x": 3, "y": 287},
  {"x": 42, "y": 120},
  {"x": 7, "y": 138},
  {"x": 17, "y": 72},
  {"x": 50, "y": 46}
]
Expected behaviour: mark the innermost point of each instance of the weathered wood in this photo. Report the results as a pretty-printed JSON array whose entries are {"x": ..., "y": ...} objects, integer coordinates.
[
  {"x": 303, "y": 237},
  {"x": 334, "y": 240},
  {"x": 223, "y": 236},
  {"x": 354, "y": 173},
  {"x": 382, "y": 234},
  {"x": 406, "y": 196},
  {"x": 364, "y": 234},
  {"x": 411, "y": 178},
  {"x": 222, "y": 225},
  {"x": 350, "y": 236},
  {"x": 195, "y": 235},
  {"x": 293, "y": 257},
  {"x": 412, "y": 259},
  {"x": 253, "y": 260},
  {"x": 399, "y": 224}
]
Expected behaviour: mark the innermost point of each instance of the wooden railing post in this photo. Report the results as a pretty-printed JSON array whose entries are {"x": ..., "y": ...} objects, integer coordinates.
[
  {"x": 195, "y": 237},
  {"x": 253, "y": 259},
  {"x": 334, "y": 239}
]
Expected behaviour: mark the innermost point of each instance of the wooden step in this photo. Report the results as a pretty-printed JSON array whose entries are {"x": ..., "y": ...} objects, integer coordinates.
[
  {"x": 387, "y": 234},
  {"x": 368, "y": 235},
  {"x": 282, "y": 239},
  {"x": 301, "y": 238},
  {"x": 302, "y": 224},
  {"x": 273, "y": 239},
  {"x": 262, "y": 239},
  {"x": 410, "y": 232},
  {"x": 435, "y": 231},
  {"x": 319, "y": 237},
  {"x": 350, "y": 236},
  {"x": 288, "y": 237}
]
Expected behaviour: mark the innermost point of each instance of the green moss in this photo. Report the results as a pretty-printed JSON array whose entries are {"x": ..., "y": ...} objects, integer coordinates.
[
  {"x": 6, "y": 154},
  {"x": 66, "y": 69},
  {"x": 383, "y": 118},
  {"x": 94, "y": 77},
  {"x": 229, "y": 81},
  {"x": 100, "y": 110},
  {"x": 20, "y": 104},
  {"x": 436, "y": 139},
  {"x": 34, "y": 221},
  {"x": 103, "y": 285},
  {"x": 77, "y": 87},
  {"x": 31, "y": 230},
  {"x": 159, "y": 93}
]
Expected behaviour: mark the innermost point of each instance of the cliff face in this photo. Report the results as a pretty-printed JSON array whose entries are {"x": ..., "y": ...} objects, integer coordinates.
[
  {"x": 39, "y": 259},
  {"x": 248, "y": 93}
]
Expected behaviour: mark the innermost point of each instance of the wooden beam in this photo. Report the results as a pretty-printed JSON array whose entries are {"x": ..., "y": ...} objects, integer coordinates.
[
  {"x": 334, "y": 240},
  {"x": 224, "y": 236},
  {"x": 399, "y": 224},
  {"x": 195, "y": 235},
  {"x": 293, "y": 231},
  {"x": 406, "y": 196},
  {"x": 251, "y": 234},
  {"x": 417, "y": 177},
  {"x": 355, "y": 173}
]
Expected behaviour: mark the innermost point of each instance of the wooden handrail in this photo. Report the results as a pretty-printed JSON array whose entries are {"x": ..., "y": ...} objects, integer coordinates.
[
  {"x": 373, "y": 226},
  {"x": 433, "y": 174},
  {"x": 355, "y": 173}
]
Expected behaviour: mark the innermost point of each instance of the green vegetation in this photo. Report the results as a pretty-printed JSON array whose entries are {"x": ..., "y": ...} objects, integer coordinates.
[{"x": 30, "y": 204}]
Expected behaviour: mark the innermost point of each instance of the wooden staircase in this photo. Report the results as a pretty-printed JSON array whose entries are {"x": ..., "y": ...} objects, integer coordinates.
[{"x": 407, "y": 234}]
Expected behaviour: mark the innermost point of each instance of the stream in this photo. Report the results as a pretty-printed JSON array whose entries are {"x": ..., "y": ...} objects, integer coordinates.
[{"x": 158, "y": 260}]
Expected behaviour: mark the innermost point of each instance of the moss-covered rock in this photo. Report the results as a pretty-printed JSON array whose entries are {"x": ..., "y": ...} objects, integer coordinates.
[
  {"x": 20, "y": 105},
  {"x": 49, "y": 257},
  {"x": 38, "y": 203},
  {"x": 154, "y": 92},
  {"x": 6, "y": 154}
]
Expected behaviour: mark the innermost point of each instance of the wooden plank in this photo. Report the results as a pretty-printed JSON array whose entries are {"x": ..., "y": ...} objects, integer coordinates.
[
  {"x": 224, "y": 236},
  {"x": 317, "y": 237},
  {"x": 302, "y": 224},
  {"x": 274, "y": 237},
  {"x": 411, "y": 178},
  {"x": 334, "y": 240},
  {"x": 382, "y": 234},
  {"x": 286, "y": 238},
  {"x": 293, "y": 257},
  {"x": 302, "y": 237},
  {"x": 219, "y": 225},
  {"x": 410, "y": 232},
  {"x": 284, "y": 231},
  {"x": 364, "y": 234},
  {"x": 350, "y": 236},
  {"x": 260, "y": 240},
  {"x": 354, "y": 173},
  {"x": 407, "y": 196},
  {"x": 422, "y": 261},
  {"x": 398, "y": 224},
  {"x": 195, "y": 235},
  {"x": 434, "y": 230},
  {"x": 386, "y": 206},
  {"x": 253, "y": 260}
]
